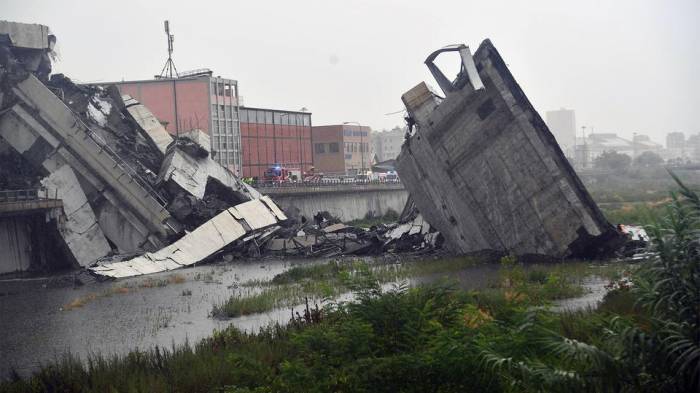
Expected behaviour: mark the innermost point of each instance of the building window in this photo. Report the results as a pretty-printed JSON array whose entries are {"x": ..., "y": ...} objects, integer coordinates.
[
  {"x": 307, "y": 120},
  {"x": 319, "y": 148},
  {"x": 333, "y": 147},
  {"x": 268, "y": 117},
  {"x": 214, "y": 111}
]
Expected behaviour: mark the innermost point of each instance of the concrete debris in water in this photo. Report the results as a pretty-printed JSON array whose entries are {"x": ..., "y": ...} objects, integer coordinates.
[
  {"x": 329, "y": 238},
  {"x": 484, "y": 169}
]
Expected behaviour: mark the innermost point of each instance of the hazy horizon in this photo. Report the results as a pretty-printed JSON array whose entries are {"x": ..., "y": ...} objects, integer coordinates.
[{"x": 624, "y": 66}]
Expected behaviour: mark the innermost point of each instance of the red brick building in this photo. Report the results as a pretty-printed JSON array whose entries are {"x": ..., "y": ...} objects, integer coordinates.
[
  {"x": 341, "y": 149},
  {"x": 271, "y": 137},
  {"x": 195, "y": 100}
]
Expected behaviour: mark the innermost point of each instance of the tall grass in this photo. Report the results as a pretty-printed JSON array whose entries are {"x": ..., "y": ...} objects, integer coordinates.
[
  {"x": 326, "y": 281},
  {"x": 637, "y": 213}
]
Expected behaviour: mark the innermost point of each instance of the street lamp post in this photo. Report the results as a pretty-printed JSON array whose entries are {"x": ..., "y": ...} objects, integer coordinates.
[{"x": 362, "y": 146}]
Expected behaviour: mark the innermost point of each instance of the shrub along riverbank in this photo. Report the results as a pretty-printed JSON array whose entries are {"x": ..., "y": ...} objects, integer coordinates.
[{"x": 644, "y": 337}]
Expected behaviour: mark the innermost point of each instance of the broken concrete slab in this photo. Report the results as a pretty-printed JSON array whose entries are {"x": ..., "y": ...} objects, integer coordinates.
[
  {"x": 65, "y": 126},
  {"x": 26, "y": 48},
  {"x": 484, "y": 169},
  {"x": 217, "y": 233},
  {"x": 28, "y": 36},
  {"x": 195, "y": 142},
  {"x": 80, "y": 229},
  {"x": 192, "y": 175},
  {"x": 150, "y": 125}
]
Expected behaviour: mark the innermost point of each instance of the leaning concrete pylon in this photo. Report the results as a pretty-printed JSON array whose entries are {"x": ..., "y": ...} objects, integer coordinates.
[{"x": 484, "y": 169}]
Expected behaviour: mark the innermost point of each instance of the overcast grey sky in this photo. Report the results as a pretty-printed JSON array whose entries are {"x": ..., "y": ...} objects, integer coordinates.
[{"x": 624, "y": 66}]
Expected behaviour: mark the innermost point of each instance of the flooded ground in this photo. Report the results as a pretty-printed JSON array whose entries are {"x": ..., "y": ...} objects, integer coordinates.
[{"x": 45, "y": 318}]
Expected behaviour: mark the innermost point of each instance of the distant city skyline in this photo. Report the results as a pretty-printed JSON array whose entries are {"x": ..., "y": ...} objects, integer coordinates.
[{"x": 625, "y": 66}]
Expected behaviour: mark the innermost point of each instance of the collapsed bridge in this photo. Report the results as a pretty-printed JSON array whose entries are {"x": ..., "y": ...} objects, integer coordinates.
[
  {"x": 482, "y": 170},
  {"x": 127, "y": 187},
  {"x": 130, "y": 198}
]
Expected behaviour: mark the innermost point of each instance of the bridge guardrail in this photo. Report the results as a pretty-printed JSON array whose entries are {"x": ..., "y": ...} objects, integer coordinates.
[
  {"x": 322, "y": 183},
  {"x": 28, "y": 194},
  {"x": 17, "y": 201}
]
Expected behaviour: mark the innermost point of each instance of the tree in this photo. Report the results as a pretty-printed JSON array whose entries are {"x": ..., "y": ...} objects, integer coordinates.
[
  {"x": 648, "y": 159},
  {"x": 612, "y": 160}
]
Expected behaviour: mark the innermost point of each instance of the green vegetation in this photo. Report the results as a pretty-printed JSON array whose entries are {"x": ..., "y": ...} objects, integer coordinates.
[
  {"x": 370, "y": 220},
  {"x": 637, "y": 185},
  {"x": 636, "y": 213},
  {"x": 329, "y": 280},
  {"x": 644, "y": 337},
  {"x": 421, "y": 339},
  {"x": 612, "y": 160},
  {"x": 320, "y": 281}
]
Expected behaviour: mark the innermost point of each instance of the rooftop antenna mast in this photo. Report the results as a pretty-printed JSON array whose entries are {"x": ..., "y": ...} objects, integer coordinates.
[{"x": 169, "y": 68}]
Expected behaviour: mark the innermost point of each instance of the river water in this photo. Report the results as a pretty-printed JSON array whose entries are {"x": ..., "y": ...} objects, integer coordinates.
[{"x": 42, "y": 319}]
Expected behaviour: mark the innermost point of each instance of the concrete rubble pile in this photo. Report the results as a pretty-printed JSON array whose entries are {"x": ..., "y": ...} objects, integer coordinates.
[
  {"x": 127, "y": 187},
  {"x": 329, "y": 237},
  {"x": 483, "y": 168},
  {"x": 136, "y": 200}
]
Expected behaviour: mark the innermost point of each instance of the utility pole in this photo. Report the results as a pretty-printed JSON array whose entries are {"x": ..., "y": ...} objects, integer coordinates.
[
  {"x": 169, "y": 68},
  {"x": 585, "y": 147}
]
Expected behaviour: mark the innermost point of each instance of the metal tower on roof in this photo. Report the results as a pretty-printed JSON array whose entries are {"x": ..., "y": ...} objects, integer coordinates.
[{"x": 169, "y": 69}]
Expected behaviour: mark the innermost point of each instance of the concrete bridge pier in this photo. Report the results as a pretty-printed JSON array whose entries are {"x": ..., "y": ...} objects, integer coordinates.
[{"x": 29, "y": 232}]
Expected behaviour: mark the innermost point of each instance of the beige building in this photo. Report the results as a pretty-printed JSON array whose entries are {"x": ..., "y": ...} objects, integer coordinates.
[
  {"x": 341, "y": 149},
  {"x": 387, "y": 144}
]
